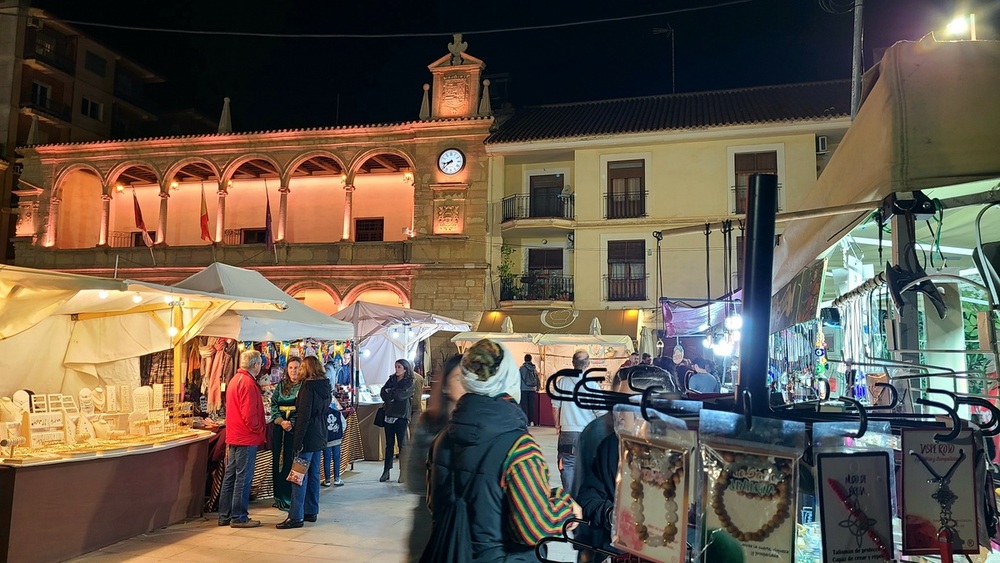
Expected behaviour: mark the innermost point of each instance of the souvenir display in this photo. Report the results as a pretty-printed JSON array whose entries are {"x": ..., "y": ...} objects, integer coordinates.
[
  {"x": 22, "y": 399},
  {"x": 653, "y": 492},
  {"x": 86, "y": 401},
  {"x": 9, "y": 411},
  {"x": 157, "y": 399},
  {"x": 750, "y": 482},
  {"x": 856, "y": 506},
  {"x": 99, "y": 399},
  {"x": 939, "y": 493},
  {"x": 112, "y": 398}
]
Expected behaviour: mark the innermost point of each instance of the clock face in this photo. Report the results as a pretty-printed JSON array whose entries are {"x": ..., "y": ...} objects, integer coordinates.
[{"x": 451, "y": 161}]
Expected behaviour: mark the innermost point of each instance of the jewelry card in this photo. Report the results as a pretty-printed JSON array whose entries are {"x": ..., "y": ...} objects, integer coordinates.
[
  {"x": 651, "y": 501},
  {"x": 751, "y": 496},
  {"x": 939, "y": 493},
  {"x": 855, "y": 507}
]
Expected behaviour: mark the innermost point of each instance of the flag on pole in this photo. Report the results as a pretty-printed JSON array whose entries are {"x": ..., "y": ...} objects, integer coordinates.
[
  {"x": 205, "y": 235},
  {"x": 139, "y": 223},
  {"x": 269, "y": 232}
]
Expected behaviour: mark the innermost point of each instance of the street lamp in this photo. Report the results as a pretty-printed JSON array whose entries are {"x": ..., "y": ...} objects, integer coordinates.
[{"x": 962, "y": 25}]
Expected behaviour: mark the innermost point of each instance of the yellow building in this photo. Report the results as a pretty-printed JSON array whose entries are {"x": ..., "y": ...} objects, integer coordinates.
[{"x": 577, "y": 191}]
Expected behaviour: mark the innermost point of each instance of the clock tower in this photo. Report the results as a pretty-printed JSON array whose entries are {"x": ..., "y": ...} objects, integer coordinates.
[{"x": 455, "y": 89}]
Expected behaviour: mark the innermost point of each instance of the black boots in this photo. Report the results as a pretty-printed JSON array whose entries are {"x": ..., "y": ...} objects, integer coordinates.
[{"x": 384, "y": 477}]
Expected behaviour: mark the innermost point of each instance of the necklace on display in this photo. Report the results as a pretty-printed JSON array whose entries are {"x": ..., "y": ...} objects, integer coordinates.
[
  {"x": 653, "y": 466},
  {"x": 944, "y": 496},
  {"x": 752, "y": 482}
]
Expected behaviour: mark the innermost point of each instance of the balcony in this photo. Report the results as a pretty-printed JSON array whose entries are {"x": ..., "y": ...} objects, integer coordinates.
[
  {"x": 625, "y": 206},
  {"x": 738, "y": 203},
  {"x": 39, "y": 52},
  {"x": 57, "y": 113},
  {"x": 556, "y": 290},
  {"x": 626, "y": 288},
  {"x": 536, "y": 207}
]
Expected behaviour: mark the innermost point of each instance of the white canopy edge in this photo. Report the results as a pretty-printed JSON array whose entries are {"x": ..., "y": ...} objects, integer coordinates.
[{"x": 929, "y": 119}]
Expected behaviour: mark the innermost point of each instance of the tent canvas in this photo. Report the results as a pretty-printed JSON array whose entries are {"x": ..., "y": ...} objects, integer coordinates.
[
  {"x": 297, "y": 322},
  {"x": 92, "y": 329},
  {"x": 929, "y": 119},
  {"x": 386, "y": 334}
]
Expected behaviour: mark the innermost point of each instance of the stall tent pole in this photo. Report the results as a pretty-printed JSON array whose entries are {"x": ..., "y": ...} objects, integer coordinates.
[
  {"x": 905, "y": 330},
  {"x": 758, "y": 259}
]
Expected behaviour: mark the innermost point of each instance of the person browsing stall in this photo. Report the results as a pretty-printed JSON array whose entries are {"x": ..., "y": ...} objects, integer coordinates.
[
  {"x": 245, "y": 429},
  {"x": 282, "y": 433}
]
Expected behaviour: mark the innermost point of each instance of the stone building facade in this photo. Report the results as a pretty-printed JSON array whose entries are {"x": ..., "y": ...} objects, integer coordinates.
[{"x": 392, "y": 213}]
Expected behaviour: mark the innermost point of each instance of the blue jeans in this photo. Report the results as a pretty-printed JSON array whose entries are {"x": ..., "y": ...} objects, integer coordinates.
[
  {"x": 234, "y": 498},
  {"x": 567, "y": 457},
  {"x": 305, "y": 497},
  {"x": 331, "y": 454}
]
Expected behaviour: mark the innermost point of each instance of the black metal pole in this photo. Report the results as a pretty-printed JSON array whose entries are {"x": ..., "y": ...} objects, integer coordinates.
[{"x": 758, "y": 259}]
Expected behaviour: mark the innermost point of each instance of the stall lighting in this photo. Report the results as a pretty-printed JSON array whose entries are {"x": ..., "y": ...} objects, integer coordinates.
[
  {"x": 102, "y": 294},
  {"x": 137, "y": 298},
  {"x": 708, "y": 341},
  {"x": 734, "y": 322},
  {"x": 366, "y": 353},
  {"x": 172, "y": 331}
]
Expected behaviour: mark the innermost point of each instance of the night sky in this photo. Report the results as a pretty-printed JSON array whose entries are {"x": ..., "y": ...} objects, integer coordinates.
[{"x": 293, "y": 82}]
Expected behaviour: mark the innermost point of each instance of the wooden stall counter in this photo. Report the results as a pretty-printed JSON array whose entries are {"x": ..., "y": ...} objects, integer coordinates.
[{"x": 59, "y": 510}]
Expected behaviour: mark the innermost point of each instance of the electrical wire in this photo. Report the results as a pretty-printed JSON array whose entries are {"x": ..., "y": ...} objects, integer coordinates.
[{"x": 83, "y": 23}]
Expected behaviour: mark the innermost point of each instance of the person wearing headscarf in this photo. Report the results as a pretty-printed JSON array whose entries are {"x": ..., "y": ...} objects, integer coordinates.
[{"x": 486, "y": 452}]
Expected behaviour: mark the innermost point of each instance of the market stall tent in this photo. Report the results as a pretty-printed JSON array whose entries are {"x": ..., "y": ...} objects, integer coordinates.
[
  {"x": 62, "y": 332},
  {"x": 929, "y": 119},
  {"x": 386, "y": 334},
  {"x": 296, "y": 322}
]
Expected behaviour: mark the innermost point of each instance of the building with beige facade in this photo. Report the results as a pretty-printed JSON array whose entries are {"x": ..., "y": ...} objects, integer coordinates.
[
  {"x": 61, "y": 86},
  {"x": 389, "y": 213},
  {"x": 577, "y": 191}
]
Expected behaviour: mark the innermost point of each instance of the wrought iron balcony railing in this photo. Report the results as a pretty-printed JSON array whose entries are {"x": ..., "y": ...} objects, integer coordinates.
[
  {"x": 626, "y": 288},
  {"x": 50, "y": 108},
  {"x": 537, "y": 207},
  {"x": 537, "y": 287},
  {"x": 625, "y": 206}
]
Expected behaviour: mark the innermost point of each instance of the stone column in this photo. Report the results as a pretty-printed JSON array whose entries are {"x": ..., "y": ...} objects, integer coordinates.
[
  {"x": 220, "y": 216},
  {"x": 161, "y": 227},
  {"x": 102, "y": 239},
  {"x": 282, "y": 212},
  {"x": 50, "y": 229},
  {"x": 348, "y": 211}
]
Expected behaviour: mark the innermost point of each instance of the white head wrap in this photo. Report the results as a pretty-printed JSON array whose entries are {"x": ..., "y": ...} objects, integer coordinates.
[{"x": 507, "y": 378}]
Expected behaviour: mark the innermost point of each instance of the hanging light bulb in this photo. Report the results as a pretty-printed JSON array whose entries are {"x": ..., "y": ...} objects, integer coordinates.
[
  {"x": 137, "y": 298},
  {"x": 708, "y": 341},
  {"x": 172, "y": 331},
  {"x": 734, "y": 322},
  {"x": 102, "y": 294}
]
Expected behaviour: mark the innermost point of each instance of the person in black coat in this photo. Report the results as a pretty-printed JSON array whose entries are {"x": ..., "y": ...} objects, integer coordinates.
[
  {"x": 396, "y": 394},
  {"x": 311, "y": 405}
]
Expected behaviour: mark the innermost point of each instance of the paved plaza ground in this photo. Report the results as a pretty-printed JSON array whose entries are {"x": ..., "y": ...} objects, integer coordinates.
[{"x": 360, "y": 522}]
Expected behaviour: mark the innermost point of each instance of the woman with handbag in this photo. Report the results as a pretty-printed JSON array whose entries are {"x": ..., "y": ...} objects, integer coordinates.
[
  {"x": 283, "y": 418},
  {"x": 314, "y": 398},
  {"x": 396, "y": 394}
]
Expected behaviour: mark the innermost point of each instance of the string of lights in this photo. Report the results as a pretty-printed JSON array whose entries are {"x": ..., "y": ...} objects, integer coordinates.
[{"x": 261, "y": 34}]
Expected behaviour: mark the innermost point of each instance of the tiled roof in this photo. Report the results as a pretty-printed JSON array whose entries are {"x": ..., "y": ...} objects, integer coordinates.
[{"x": 699, "y": 110}]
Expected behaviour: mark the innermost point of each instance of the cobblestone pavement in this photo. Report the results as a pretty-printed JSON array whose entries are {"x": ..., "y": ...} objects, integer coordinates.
[{"x": 362, "y": 521}]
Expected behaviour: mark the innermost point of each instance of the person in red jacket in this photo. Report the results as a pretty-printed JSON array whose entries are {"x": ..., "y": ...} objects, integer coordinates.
[{"x": 244, "y": 434}]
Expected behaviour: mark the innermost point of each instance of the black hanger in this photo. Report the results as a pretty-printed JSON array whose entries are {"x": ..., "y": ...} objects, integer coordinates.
[
  {"x": 862, "y": 417},
  {"x": 564, "y": 538}
]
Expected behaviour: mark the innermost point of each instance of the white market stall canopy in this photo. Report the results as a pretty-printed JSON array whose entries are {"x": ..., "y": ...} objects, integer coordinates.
[
  {"x": 296, "y": 322},
  {"x": 386, "y": 334},
  {"x": 929, "y": 119},
  {"x": 61, "y": 332}
]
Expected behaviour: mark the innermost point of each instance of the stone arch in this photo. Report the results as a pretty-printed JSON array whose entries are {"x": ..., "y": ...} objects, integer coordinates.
[
  {"x": 233, "y": 165},
  {"x": 308, "y": 286},
  {"x": 363, "y": 157},
  {"x": 116, "y": 172},
  {"x": 176, "y": 167},
  {"x": 75, "y": 167},
  {"x": 300, "y": 159},
  {"x": 361, "y": 288}
]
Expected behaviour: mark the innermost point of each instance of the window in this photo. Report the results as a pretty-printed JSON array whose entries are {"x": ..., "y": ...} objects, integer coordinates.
[
  {"x": 45, "y": 45},
  {"x": 40, "y": 94},
  {"x": 626, "y": 196},
  {"x": 255, "y": 236},
  {"x": 92, "y": 109},
  {"x": 748, "y": 163},
  {"x": 369, "y": 230},
  {"x": 96, "y": 64},
  {"x": 546, "y": 193},
  {"x": 627, "y": 270},
  {"x": 137, "y": 240},
  {"x": 545, "y": 260}
]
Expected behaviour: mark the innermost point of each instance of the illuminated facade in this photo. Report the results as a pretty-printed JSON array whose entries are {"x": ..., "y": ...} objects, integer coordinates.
[{"x": 371, "y": 212}]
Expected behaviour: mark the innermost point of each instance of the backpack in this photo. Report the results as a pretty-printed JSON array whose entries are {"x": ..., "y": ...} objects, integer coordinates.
[
  {"x": 451, "y": 535},
  {"x": 334, "y": 426}
]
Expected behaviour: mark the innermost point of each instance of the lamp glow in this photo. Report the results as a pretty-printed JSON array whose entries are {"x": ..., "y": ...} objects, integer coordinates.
[
  {"x": 102, "y": 294},
  {"x": 172, "y": 331},
  {"x": 137, "y": 298},
  {"x": 963, "y": 25},
  {"x": 734, "y": 322}
]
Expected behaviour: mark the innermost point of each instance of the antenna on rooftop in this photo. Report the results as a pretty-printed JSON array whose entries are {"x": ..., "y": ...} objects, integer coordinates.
[{"x": 673, "y": 74}]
